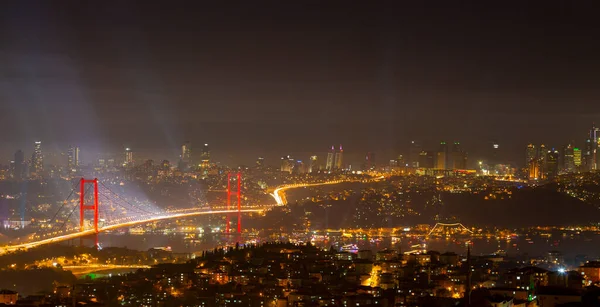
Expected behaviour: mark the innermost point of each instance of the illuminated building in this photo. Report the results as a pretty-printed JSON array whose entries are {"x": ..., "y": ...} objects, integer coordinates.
[
  {"x": 329, "y": 163},
  {"x": 542, "y": 158},
  {"x": 551, "y": 168},
  {"x": 19, "y": 165},
  {"x": 128, "y": 157},
  {"x": 426, "y": 159},
  {"x": 393, "y": 163},
  {"x": 534, "y": 170},
  {"x": 530, "y": 154},
  {"x": 260, "y": 162},
  {"x": 72, "y": 157},
  {"x": 37, "y": 159},
  {"x": 205, "y": 156},
  {"x": 441, "y": 161},
  {"x": 414, "y": 152},
  {"x": 595, "y": 140},
  {"x": 313, "y": 164},
  {"x": 339, "y": 156},
  {"x": 287, "y": 164},
  {"x": 577, "y": 158},
  {"x": 495, "y": 153},
  {"x": 186, "y": 152},
  {"x": 568, "y": 159},
  {"x": 588, "y": 160}
]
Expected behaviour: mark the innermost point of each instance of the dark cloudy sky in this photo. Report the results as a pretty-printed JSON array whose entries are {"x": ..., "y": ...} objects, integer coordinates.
[{"x": 271, "y": 78}]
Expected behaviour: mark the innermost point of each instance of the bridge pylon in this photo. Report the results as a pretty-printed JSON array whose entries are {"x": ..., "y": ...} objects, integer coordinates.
[
  {"x": 237, "y": 193},
  {"x": 82, "y": 203}
]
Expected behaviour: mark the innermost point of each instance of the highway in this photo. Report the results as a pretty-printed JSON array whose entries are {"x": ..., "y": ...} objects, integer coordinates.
[
  {"x": 84, "y": 233},
  {"x": 280, "y": 196}
]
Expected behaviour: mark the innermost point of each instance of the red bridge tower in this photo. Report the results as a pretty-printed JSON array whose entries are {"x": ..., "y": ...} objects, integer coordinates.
[{"x": 238, "y": 193}]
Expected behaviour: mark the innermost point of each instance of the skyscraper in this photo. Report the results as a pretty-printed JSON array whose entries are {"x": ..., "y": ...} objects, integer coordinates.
[
  {"x": 530, "y": 154},
  {"x": 37, "y": 159},
  {"x": 19, "y": 165},
  {"x": 205, "y": 156},
  {"x": 552, "y": 163},
  {"x": 568, "y": 159},
  {"x": 441, "y": 161},
  {"x": 329, "y": 163},
  {"x": 595, "y": 141},
  {"x": 287, "y": 164},
  {"x": 128, "y": 162},
  {"x": 370, "y": 161},
  {"x": 72, "y": 157},
  {"x": 414, "y": 151},
  {"x": 577, "y": 158},
  {"x": 313, "y": 164},
  {"x": 186, "y": 152},
  {"x": 588, "y": 159},
  {"x": 260, "y": 162},
  {"x": 458, "y": 157},
  {"x": 339, "y": 156}
]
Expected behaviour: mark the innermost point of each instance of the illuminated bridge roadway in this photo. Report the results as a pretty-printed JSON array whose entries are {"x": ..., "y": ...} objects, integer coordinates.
[{"x": 84, "y": 233}]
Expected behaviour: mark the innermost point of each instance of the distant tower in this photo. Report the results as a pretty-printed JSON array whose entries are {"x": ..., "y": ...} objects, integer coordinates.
[
  {"x": 577, "y": 158},
  {"x": 458, "y": 158},
  {"x": 313, "y": 164},
  {"x": 37, "y": 159},
  {"x": 330, "y": 155},
  {"x": 595, "y": 141},
  {"x": 205, "y": 156},
  {"x": 72, "y": 157},
  {"x": 442, "y": 156},
  {"x": 186, "y": 152},
  {"x": 260, "y": 162},
  {"x": 414, "y": 152},
  {"x": 568, "y": 159},
  {"x": 530, "y": 154},
  {"x": 339, "y": 156},
  {"x": 128, "y": 162}
]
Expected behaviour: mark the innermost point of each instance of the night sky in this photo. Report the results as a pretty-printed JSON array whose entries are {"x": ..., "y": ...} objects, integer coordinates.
[{"x": 270, "y": 79}]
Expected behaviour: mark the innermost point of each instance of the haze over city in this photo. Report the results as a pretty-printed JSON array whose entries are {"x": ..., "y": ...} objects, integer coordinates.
[{"x": 286, "y": 154}]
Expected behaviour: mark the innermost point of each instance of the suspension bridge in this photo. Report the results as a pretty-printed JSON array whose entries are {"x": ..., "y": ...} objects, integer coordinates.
[{"x": 102, "y": 209}]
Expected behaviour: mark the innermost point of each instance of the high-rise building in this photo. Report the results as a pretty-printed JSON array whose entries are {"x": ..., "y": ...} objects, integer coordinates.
[
  {"x": 260, "y": 162},
  {"x": 73, "y": 157},
  {"x": 414, "y": 151},
  {"x": 287, "y": 164},
  {"x": 19, "y": 165},
  {"x": 313, "y": 164},
  {"x": 128, "y": 162},
  {"x": 458, "y": 157},
  {"x": 370, "y": 162},
  {"x": 495, "y": 153},
  {"x": 339, "y": 156},
  {"x": 186, "y": 152},
  {"x": 37, "y": 158},
  {"x": 593, "y": 146},
  {"x": 542, "y": 158},
  {"x": 205, "y": 156},
  {"x": 588, "y": 158},
  {"x": 530, "y": 154},
  {"x": 426, "y": 159},
  {"x": 442, "y": 158},
  {"x": 329, "y": 163},
  {"x": 552, "y": 163},
  {"x": 577, "y": 158},
  {"x": 568, "y": 159}
]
